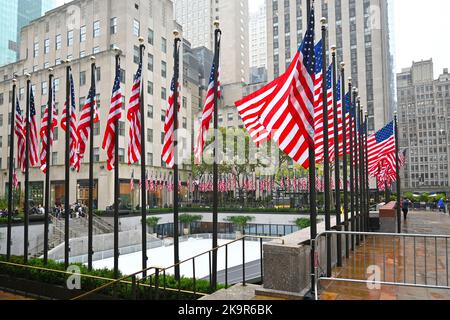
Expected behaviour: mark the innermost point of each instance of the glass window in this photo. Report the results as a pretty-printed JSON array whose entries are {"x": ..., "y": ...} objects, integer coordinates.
[
  {"x": 163, "y": 94},
  {"x": 36, "y": 49},
  {"x": 82, "y": 78},
  {"x": 150, "y": 135},
  {"x": 163, "y": 69},
  {"x": 58, "y": 42},
  {"x": 83, "y": 34},
  {"x": 136, "y": 28},
  {"x": 150, "y": 87},
  {"x": 46, "y": 46},
  {"x": 150, "y": 111},
  {"x": 69, "y": 38},
  {"x": 164, "y": 45},
  {"x": 150, "y": 36},
  {"x": 113, "y": 25},
  {"x": 150, "y": 62},
  {"x": 96, "y": 33}
]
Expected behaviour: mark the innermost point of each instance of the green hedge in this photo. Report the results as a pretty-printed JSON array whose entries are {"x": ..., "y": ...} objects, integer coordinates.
[{"x": 121, "y": 291}]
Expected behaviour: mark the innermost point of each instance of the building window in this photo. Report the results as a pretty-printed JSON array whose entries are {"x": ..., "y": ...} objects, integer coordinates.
[
  {"x": 150, "y": 36},
  {"x": 150, "y": 159},
  {"x": 70, "y": 38},
  {"x": 136, "y": 54},
  {"x": 163, "y": 115},
  {"x": 164, "y": 45},
  {"x": 163, "y": 136},
  {"x": 36, "y": 49},
  {"x": 150, "y": 62},
  {"x": 184, "y": 102},
  {"x": 58, "y": 42},
  {"x": 82, "y": 78},
  {"x": 136, "y": 28},
  {"x": 121, "y": 128},
  {"x": 97, "y": 128},
  {"x": 150, "y": 111},
  {"x": 44, "y": 88},
  {"x": 121, "y": 155},
  {"x": 56, "y": 134},
  {"x": 163, "y": 69},
  {"x": 150, "y": 135},
  {"x": 96, "y": 155},
  {"x": 163, "y": 94},
  {"x": 96, "y": 32},
  {"x": 54, "y": 158},
  {"x": 46, "y": 46},
  {"x": 96, "y": 50},
  {"x": 83, "y": 34},
  {"x": 98, "y": 74},
  {"x": 184, "y": 123},
  {"x": 150, "y": 87},
  {"x": 113, "y": 25}
]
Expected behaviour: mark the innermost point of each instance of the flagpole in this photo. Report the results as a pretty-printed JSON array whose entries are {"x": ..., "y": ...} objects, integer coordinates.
[
  {"x": 217, "y": 36},
  {"x": 397, "y": 167},
  {"x": 356, "y": 168},
  {"x": 326, "y": 155},
  {"x": 91, "y": 168},
  {"x": 362, "y": 182},
  {"x": 27, "y": 171},
  {"x": 336, "y": 160},
  {"x": 11, "y": 169},
  {"x": 366, "y": 168},
  {"x": 47, "y": 173},
  {"x": 312, "y": 199},
  {"x": 176, "y": 56},
  {"x": 352, "y": 151},
  {"x": 67, "y": 168},
  {"x": 344, "y": 159},
  {"x": 118, "y": 53}
]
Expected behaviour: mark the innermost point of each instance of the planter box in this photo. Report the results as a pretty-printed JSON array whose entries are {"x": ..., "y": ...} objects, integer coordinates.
[{"x": 44, "y": 290}]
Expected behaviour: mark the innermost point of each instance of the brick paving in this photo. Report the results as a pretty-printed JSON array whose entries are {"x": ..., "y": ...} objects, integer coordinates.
[{"x": 408, "y": 260}]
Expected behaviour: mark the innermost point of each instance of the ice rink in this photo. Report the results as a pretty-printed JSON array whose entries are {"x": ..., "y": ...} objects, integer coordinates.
[{"x": 163, "y": 257}]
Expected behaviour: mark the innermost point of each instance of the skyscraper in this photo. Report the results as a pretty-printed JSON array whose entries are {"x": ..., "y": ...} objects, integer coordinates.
[
  {"x": 16, "y": 14},
  {"x": 360, "y": 31},
  {"x": 197, "y": 17}
]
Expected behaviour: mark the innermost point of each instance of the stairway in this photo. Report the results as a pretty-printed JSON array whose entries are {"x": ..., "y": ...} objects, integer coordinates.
[{"x": 78, "y": 228}]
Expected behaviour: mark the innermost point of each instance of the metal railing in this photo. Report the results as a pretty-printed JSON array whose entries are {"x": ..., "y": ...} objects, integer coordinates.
[
  {"x": 406, "y": 260},
  {"x": 159, "y": 277}
]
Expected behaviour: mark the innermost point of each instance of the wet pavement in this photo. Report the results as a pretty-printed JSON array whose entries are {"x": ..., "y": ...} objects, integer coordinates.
[
  {"x": 410, "y": 260},
  {"x": 9, "y": 296}
]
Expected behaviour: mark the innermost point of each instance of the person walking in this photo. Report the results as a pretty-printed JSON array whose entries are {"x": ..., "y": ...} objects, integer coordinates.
[{"x": 405, "y": 208}]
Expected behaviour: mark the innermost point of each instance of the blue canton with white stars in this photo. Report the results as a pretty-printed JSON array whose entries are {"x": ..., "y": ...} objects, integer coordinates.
[
  {"x": 318, "y": 53},
  {"x": 330, "y": 77},
  {"x": 385, "y": 133},
  {"x": 307, "y": 47},
  {"x": 116, "y": 86},
  {"x": 32, "y": 106}
]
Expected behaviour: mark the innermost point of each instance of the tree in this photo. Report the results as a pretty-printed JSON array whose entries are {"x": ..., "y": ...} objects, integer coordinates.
[
  {"x": 303, "y": 223},
  {"x": 409, "y": 196},
  {"x": 240, "y": 222},
  {"x": 187, "y": 220},
  {"x": 152, "y": 222}
]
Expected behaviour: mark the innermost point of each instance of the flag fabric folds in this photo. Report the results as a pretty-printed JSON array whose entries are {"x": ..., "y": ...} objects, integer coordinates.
[
  {"x": 208, "y": 111},
  {"x": 34, "y": 142},
  {"x": 134, "y": 118},
  {"x": 115, "y": 113},
  {"x": 84, "y": 126},
  {"x": 73, "y": 144},
  {"x": 43, "y": 132},
  {"x": 284, "y": 109},
  {"x": 20, "y": 134},
  {"x": 168, "y": 151}
]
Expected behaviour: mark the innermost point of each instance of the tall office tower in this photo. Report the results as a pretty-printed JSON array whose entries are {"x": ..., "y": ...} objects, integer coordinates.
[
  {"x": 359, "y": 29},
  {"x": 424, "y": 113},
  {"x": 78, "y": 30},
  {"x": 258, "y": 37},
  {"x": 197, "y": 17},
  {"x": 14, "y": 15}
]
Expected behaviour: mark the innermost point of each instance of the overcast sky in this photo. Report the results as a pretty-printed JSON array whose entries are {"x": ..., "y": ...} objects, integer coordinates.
[{"x": 421, "y": 31}]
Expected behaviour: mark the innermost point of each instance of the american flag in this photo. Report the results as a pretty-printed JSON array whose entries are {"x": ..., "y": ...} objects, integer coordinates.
[
  {"x": 73, "y": 143},
  {"x": 34, "y": 142},
  {"x": 44, "y": 127},
  {"x": 318, "y": 115},
  {"x": 349, "y": 114},
  {"x": 208, "y": 111},
  {"x": 115, "y": 113},
  {"x": 84, "y": 126},
  {"x": 20, "y": 134},
  {"x": 340, "y": 122},
  {"x": 168, "y": 151},
  {"x": 134, "y": 117},
  {"x": 381, "y": 149},
  {"x": 132, "y": 181},
  {"x": 285, "y": 107},
  {"x": 15, "y": 180}
]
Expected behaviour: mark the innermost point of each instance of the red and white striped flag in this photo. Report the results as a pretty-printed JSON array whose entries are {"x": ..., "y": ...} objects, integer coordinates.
[
  {"x": 84, "y": 126},
  {"x": 132, "y": 181},
  {"x": 15, "y": 180},
  {"x": 284, "y": 109},
  {"x": 208, "y": 111},
  {"x": 134, "y": 118},
  {"x": 19, "y": 130},
  {"x": 54, "y": 123},
  {"x": 381, "y": 150},
  {"x": 168, "y": 151},
  {"x": 73, "y": 143},
  {"x": 33, "y": 134},
  {"x": 115, "y": 113}
]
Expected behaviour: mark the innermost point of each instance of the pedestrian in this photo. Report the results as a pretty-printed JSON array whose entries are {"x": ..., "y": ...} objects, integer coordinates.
[{"x": 405, "y": 208}]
